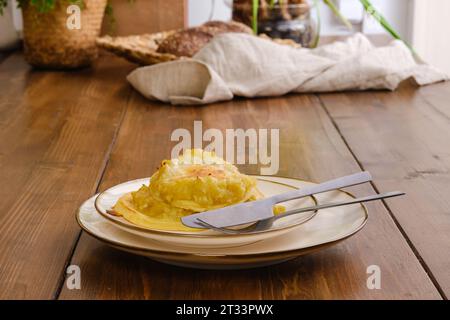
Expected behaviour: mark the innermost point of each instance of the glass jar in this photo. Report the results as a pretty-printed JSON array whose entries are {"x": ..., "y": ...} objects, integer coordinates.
[{"x": 282, "y": 20}]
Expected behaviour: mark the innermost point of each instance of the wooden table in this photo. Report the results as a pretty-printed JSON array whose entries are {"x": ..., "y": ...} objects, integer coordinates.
[{"x": 65, "y": 136}]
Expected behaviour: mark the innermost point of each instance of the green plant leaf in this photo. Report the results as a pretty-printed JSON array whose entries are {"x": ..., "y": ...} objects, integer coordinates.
[
  {"x": 44, "y": 6},
  {"x": 3, "y": 5},
  {"x": 370, "y": 9},
  {"x": 255, "y": 8},
  {"x": 317, "y": 37},
  {"x": 338, "y": 14}
]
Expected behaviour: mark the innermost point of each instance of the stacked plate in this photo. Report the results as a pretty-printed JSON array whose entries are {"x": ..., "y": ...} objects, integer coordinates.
[{"x": 288, "y": 238}]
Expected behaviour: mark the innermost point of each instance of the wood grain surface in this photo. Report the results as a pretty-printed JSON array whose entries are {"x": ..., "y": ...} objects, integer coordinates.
[
  {"x": 56, "y": 131},
  {"x": 310, "y": 148},
  {"x": 64, "y": 136},
  {"x": 403, "y": 138}
]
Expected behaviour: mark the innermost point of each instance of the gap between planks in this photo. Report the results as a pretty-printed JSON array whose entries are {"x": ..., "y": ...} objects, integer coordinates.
[
  {"x": 104, "y": 166},
  {"x": 98, "y": 182},
  {"x": 391, "y": 214},
  {"x": 4, "y": 55}
]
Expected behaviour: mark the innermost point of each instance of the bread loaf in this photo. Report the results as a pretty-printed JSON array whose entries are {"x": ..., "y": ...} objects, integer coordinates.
[
  {"x": 232, "y": 26},
  {"x": 187, "y": 42}
]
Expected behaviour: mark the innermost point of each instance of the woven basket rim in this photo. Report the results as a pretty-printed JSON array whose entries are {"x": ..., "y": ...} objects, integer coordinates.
[{"x": 142, "y": 48}]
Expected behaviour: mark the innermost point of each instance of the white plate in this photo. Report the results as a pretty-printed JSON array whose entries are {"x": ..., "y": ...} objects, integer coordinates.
[
  {"x": 208, "y": 238},
  {"x": 329, "y": 227}
]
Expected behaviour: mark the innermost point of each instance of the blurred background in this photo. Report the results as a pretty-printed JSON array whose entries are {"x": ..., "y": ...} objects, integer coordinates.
[
  {"x": 422, "y": 23},
  {"x": 396, "y": 11}
]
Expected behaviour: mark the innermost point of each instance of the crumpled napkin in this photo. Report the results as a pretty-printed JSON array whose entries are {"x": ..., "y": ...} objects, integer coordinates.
[{"x": 244, "y": 65}]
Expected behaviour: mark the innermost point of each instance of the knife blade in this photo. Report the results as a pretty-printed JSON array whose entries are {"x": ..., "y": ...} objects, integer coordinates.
[{"x": 248, "y": 212}]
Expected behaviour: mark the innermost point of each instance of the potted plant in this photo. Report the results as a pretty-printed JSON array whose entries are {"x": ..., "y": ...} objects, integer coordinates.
[
  {"x": 49, "y": 43},
  {"x": 292, "y": 18}
]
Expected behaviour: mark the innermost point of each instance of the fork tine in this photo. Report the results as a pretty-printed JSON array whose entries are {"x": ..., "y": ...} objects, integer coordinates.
[{"x": 219, "y": 229}]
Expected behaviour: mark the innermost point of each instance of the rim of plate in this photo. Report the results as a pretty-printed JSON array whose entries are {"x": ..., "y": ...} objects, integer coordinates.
[
  {"x": 198, "y": 234},
  {"x": 233, "y": 256}
]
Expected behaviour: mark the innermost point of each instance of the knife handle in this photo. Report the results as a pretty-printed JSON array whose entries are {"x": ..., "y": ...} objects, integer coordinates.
[{"x": 347, "y": 181}]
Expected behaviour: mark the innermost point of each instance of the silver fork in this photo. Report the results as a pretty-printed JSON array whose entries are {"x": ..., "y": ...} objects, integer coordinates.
[
  {"x": 265, "y": 224},
  {"x": 253, "y": 211}
]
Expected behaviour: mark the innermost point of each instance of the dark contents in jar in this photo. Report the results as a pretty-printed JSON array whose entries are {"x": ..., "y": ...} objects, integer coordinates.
[
  {"x": 286, "y": 21},
  {"x": 300, "y": 31}
]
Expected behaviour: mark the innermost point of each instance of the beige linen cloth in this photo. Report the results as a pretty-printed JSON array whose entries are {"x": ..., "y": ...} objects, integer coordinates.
[{"x": 244, "y": 65}]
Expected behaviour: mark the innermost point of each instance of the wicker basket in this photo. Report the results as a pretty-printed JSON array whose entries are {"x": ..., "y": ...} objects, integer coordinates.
[
  {"x": 50, "y": 44},
  {"x": 141, "y": 49}
]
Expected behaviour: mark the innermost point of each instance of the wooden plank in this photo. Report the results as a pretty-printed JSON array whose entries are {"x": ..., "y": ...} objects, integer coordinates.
[
  {"x": 144, "y": 16},
  {"x": 311, "y": 149},
  {"x": 403, "y": 138},
  {"x": 56, "y": 130}
]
